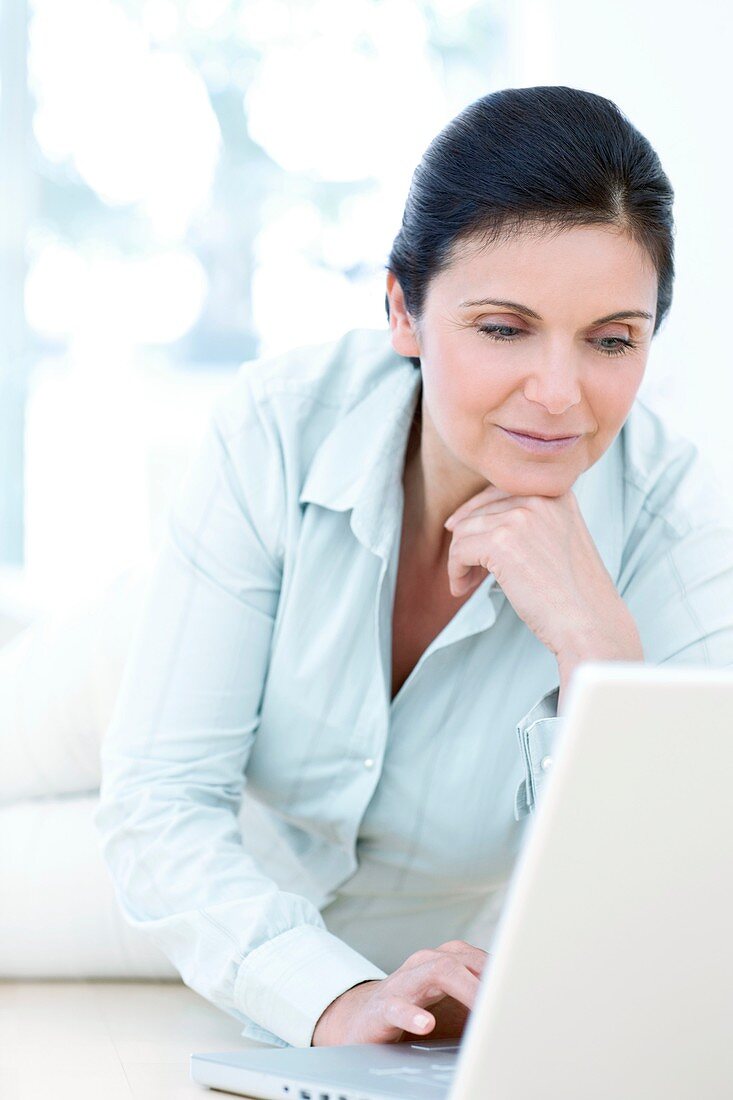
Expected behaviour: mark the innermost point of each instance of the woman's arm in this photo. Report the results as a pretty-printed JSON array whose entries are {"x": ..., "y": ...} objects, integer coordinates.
[{"x": 175, "y": 753}]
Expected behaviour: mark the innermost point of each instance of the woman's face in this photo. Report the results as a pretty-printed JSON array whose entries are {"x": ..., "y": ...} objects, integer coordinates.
[{"x": 543, "y": 362}]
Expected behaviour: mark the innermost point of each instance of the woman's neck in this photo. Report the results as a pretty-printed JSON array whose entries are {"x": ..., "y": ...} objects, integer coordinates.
[{"x": 433, "y": 488}]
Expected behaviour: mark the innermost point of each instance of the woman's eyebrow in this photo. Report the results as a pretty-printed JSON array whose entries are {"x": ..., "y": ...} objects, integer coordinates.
[{"x": 531, "y": 313}]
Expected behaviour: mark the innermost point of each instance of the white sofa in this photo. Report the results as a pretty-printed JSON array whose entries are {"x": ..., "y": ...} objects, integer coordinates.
[{"x": 59, "y": 677}]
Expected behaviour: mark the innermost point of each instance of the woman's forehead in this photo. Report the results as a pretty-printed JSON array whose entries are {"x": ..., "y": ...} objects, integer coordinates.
[{"x": 584, "y": 259}]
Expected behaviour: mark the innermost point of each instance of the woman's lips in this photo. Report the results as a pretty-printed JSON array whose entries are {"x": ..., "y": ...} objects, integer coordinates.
[{"x": 541, "y": 446}]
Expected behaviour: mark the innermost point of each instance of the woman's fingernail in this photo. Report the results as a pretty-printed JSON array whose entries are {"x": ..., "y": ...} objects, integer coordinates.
[{"x": 420, "y": 1020}]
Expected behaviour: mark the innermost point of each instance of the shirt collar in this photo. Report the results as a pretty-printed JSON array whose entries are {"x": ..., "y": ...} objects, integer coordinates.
[{"x": 360, "y": 462}]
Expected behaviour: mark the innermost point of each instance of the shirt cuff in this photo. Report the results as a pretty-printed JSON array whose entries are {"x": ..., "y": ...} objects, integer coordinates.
[
  {"x": 251, "y": 1030},
  {"x": 285, "y": 984},
  {"x": 537, "y": 734}
]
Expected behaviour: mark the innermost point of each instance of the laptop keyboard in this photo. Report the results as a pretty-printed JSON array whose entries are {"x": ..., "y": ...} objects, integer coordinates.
[{"x": 438, "y": 1073}]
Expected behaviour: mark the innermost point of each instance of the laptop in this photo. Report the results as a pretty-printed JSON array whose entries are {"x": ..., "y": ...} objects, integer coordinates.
[{"x": 610, "y": 976}]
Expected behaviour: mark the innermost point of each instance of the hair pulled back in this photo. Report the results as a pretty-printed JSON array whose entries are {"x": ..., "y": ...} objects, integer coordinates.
[{"x": 548, "y": 157}]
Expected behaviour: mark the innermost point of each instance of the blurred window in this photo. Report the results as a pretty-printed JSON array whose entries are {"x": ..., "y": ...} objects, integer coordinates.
[{"x": 204, "y": 181}]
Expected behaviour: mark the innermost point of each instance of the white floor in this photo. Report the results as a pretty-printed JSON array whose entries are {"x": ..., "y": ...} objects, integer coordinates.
[{"x": 100, "y": 1040}]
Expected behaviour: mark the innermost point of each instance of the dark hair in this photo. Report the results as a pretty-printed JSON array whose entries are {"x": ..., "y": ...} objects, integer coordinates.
[{"x": 524, "y": 157}]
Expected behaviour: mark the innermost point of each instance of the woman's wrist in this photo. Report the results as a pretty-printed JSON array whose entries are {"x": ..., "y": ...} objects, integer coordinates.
[
  {"x": 328, "y": 1021},
  {"x": 619, "y": 641}
]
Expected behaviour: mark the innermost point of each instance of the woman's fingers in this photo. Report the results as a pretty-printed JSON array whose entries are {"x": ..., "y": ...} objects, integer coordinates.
[
  {"x": 406, "y": 1000},
  {"x": 493, "y": 508},
  {"x": 474, "y": 957},
  {"x": 490, "y": 493},
  {"x": 469, "y": 558},
  {"x": 448, "y": 975},
  {"x": 403, "y": 1013}
]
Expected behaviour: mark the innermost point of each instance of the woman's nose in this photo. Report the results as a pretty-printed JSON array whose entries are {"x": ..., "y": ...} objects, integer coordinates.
[{"x": 554, "y": 385}]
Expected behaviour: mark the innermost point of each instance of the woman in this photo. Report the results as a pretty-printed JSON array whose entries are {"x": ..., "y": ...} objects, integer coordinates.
[{"x": 382, "y": 570}]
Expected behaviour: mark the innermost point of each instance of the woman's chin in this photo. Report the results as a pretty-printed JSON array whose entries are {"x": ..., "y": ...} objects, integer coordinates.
[{"x": 535, "y": 482}]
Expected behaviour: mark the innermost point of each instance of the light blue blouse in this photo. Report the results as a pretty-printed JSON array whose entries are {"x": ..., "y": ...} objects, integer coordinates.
[{"x": 268, "y": 816}]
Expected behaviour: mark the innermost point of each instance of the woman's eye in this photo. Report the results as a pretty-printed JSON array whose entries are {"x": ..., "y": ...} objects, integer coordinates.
[
  {"x": 499, "y": 332},
  {"x": 621, "y": 346},
  {"x": 493, "y": 331}
]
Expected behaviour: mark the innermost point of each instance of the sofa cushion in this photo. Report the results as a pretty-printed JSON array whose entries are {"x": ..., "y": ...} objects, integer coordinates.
[
  {"x": 59, "y": 916},
  {"x": 59, "y": 678}
]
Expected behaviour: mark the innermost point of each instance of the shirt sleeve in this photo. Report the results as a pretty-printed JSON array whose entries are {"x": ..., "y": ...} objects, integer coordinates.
[
  {"x": 676, "y": 578},
  {"x": 537, "y": 733},
  {"x": 175, "y": 753}
]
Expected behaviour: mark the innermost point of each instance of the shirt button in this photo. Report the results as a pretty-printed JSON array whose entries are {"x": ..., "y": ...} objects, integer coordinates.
[
  {"x": 545, "y": 763},
  {"x": 368, "y": 763}
]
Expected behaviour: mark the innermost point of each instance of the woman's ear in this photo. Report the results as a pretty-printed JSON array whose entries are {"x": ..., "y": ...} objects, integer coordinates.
[{"x": 402, "y": 326}]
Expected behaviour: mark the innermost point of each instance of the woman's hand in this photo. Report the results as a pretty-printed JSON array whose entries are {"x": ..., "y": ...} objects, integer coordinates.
[
  {"x": 389, "y": 1010},
  {"x": 544, "y": 558}
]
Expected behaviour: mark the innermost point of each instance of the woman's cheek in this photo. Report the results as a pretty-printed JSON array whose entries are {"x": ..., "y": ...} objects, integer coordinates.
[{"x": 612, "y": 405}]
